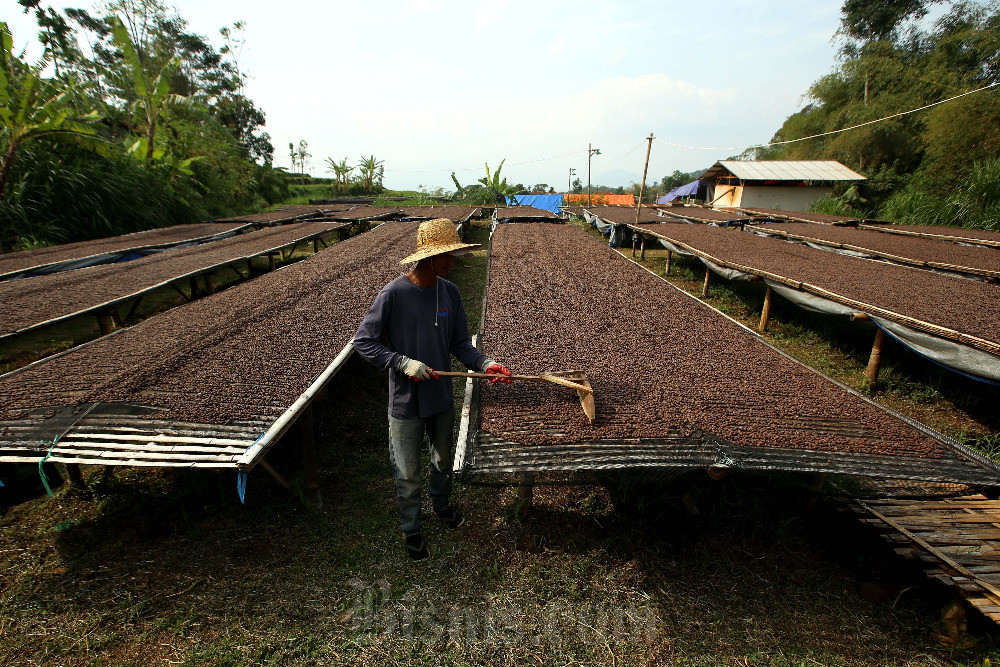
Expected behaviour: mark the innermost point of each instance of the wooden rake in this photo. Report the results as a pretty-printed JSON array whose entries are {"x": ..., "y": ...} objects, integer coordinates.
[{"x": 573, "y": 379}]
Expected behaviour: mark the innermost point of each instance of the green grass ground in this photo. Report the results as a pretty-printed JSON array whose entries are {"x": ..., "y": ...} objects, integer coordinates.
[{"x": 167, "y": 567}]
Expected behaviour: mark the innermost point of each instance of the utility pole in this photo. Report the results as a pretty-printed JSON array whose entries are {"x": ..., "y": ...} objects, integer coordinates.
[
  {"x": 590, "y": 152},
  {"x": 569, "y": 180},
  {"x": 642, "y": 186}
]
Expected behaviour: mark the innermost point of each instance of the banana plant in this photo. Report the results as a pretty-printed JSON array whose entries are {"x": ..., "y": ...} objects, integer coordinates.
[
  {"x": 153, "y": 94},
  {"x": 371, "y": 172},
  {"x": 500, "y": 189},
  {"x": 341, "y": 170},
  {"x": 34, "y": 108}
]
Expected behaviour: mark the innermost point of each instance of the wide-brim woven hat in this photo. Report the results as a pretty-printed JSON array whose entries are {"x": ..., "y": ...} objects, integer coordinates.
[{"x": 436, "y": 237}]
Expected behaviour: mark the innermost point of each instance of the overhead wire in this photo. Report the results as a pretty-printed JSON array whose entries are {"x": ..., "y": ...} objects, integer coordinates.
[
  {"x": 709, "y": 148},
  {"x": 517, "y": 164},
  {"x": 512, "y": 164},
  {"x": 825, "y": 134}
]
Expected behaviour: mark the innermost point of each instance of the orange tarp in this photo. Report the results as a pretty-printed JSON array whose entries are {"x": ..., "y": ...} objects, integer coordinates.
[{"x": 601, "y": 198}]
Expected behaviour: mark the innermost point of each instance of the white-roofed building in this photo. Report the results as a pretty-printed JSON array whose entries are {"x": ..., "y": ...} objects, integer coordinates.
[{"x": 788, "y": 185}]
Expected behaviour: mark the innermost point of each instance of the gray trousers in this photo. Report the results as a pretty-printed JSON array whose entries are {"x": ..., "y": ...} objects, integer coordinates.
[{"x": 406, "y": 440}]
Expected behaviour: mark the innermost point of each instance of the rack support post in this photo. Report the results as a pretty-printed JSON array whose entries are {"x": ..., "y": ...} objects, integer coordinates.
[
  {"x": 309, "y": 458},
  {"x": 765, "y": 313},
  {"x": 525, "y": 493},
  {"x": 875, "y": 360}
]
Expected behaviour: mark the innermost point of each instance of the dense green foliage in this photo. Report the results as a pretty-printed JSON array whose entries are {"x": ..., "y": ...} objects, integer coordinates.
[
  {"x": 148, "y": 128},
  {"x": 936, "y": 166}
]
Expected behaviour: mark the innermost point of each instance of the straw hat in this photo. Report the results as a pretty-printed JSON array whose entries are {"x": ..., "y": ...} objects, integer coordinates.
[{"x": 436, "y": 237}]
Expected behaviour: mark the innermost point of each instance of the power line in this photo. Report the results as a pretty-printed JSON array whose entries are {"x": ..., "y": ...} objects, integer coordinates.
[
  {"x": 618, "y": 157},
  {"x": 512, "y": 164},
  {"x": 824, "y": 134}
]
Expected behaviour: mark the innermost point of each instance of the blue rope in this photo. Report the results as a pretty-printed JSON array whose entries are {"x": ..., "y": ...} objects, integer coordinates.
[
  {"x": 41, "y": 469},
  {"x": 241, "y": 477},
  {"x": 241, "y": 486}
]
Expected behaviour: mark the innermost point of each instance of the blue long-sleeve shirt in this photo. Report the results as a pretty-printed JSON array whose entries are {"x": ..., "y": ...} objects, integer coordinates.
[{"x": 400, "y": 323}]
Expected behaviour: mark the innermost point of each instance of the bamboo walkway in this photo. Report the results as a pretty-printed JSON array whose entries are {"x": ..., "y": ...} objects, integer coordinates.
[{"x": 957, "y": 541}]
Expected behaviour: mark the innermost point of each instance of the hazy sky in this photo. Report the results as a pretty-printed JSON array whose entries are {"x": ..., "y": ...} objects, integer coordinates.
[{"x": 432, "y": 86}]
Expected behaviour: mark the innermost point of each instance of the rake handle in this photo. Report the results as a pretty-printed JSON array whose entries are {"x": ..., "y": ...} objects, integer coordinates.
[
  {"x": 536, "y": 378},
  {"x": 489, "y": 375}
]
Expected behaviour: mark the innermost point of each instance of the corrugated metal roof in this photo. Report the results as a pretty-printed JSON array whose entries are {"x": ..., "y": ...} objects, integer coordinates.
[{"x": 785, "y": 170}]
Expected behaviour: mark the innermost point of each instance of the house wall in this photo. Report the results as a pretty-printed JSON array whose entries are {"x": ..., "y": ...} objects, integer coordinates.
[
  {"x": 779, "y": 197},
  {"x": 725, "y": 195}
]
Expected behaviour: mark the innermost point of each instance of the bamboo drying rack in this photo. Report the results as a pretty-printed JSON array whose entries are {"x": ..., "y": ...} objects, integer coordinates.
[
  {"x": 480, "y": 454},
  {"x": 191, "y": 275},
  {"x": 860, "y": 306},
  {"x": 898, "y": 259},
  {"x": 105, "y": 257}
]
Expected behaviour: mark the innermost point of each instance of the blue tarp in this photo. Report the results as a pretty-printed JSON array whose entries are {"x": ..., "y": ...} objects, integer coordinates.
[
  {"x": 546, "y": 202},
  {"x": 689, "y": 190}
]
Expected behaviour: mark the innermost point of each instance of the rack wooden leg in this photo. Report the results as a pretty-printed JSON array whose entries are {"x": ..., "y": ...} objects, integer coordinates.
[
  {"x": 75, "y": 475},
  {"x": 209, "y": 283},
  {"x": 525, "y": 493},
  {"x": 815, "y": 490},
  {"x": 309, "y": 459},
  {"x": 666, "y": 270},
  {"x": 266, "y": 465},
  {"x": 105, "y": 322},
  {"x": 270, "y": 262},
  {"x": 642, "y": 246},
  {"x": 765, "y": 313},
  {"x": 875, "y": 360},
  {"x": 708, "y": 280},
  {"x": 689, "y": 504}
]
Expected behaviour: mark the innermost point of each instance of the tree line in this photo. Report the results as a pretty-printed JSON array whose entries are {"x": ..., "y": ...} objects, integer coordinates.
[
  {"x": 938, "y": 166},
  {"x": 128, "y": 121}
]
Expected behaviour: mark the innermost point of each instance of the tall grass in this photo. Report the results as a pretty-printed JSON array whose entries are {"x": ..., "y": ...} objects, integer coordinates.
[
  {"x": 975, "y": 204},
  {"x": 67, "y": 195},
  {"x": 832, "y": 205}
]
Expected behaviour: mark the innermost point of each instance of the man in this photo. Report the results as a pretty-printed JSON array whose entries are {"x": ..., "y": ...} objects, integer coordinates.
[{"x": 415, "y": 324}]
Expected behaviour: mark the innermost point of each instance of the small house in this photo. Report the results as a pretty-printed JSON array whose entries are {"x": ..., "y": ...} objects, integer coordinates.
[{"x": 787, "y": 185}]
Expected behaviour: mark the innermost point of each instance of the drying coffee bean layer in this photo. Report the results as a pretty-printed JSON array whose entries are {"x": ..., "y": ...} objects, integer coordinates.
[
  {"x": 40, "y": 299},
  {"x": 454, "y": 213},
  {"x": 245, "y": 353},
  {"x": 523, "y": 213},
  {"x": 365, "y": 213},
  {"x": 18, "y": 261},
  {"x": 289, "y": 213},
  {"x": 660, "y": 362},
  {"x": 968, "y": 306},
  {"x": 958, "y": 232},
  {"x": 911, "y": 247},
  {"x": 823, "y": 218},
  {"x": 624, "y": 215},
  {"x": 707, "y": 214}
]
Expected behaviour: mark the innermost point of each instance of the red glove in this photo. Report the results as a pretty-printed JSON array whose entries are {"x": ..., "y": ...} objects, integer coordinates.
[{"x": 498, "y": 369}]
